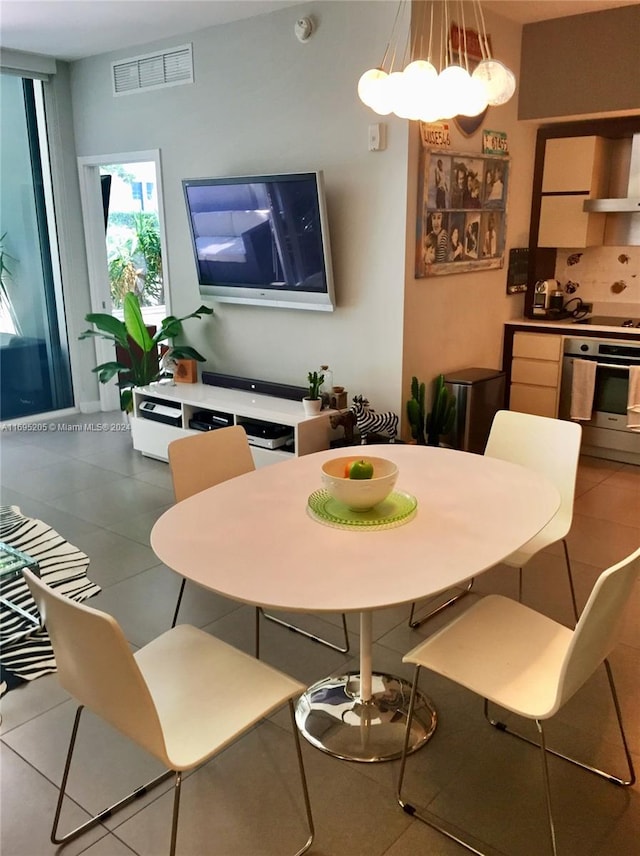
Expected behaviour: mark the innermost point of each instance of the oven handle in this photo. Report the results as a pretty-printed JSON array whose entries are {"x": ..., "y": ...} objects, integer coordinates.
[{"x": 604, "y": 365}]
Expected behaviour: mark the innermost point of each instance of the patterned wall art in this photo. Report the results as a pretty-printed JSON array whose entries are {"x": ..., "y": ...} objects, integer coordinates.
[{"x": 461, "y": 217}]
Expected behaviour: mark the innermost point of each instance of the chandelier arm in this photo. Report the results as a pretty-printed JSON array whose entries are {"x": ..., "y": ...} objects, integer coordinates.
[
  {"x": 483, "y": 50},
  {"x": 393, "y": 38},
  {"x": 484, "y": 32},
  {"x": 430, "y": 32},
  {"x": 408, "y": 49},
  {"x": 445, "y": 34},
  {"x": 417, "y": 50},
  {"x": 464, "y": 38},
  {"x": 416, "y": 33}
]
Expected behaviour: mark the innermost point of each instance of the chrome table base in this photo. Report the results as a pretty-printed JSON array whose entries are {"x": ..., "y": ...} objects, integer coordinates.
[{"x": 332, "y": 716}]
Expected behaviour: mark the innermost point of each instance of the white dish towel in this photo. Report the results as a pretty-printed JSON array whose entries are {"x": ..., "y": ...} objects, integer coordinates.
[
  {"x": 633, "y": 400},
  {"x": 583, "y": 384}
]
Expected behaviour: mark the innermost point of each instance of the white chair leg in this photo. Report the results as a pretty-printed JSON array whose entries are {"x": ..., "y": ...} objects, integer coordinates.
[
  {"x": 107, "y": 812},
  {"x": 418, "y": 622}
]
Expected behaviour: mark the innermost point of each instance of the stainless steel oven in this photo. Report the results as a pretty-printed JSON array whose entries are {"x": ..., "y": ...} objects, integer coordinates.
[{"x": 606, "y": 434}]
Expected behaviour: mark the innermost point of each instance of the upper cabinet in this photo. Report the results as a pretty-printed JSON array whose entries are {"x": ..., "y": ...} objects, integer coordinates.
[
  {"x": 575, "y": 169},
  {"x": 575, "y": 161}
]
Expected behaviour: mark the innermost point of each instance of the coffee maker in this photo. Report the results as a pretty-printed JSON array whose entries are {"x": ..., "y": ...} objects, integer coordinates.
[{"x": 548, "y": 299}]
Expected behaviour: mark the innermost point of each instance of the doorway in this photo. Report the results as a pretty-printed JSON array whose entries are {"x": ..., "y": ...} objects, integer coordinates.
[{"x": 125, "y": 238}]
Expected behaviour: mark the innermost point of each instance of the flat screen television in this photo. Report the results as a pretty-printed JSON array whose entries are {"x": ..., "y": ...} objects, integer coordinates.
[{"x": 262, "y": 239}]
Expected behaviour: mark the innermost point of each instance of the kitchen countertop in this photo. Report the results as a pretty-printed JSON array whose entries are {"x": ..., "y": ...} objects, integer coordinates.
[{"x": 568, "y": 327}]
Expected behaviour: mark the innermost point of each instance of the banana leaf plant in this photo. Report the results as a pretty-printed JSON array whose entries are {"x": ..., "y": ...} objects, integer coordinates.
[{"x": 140, "y": 364}]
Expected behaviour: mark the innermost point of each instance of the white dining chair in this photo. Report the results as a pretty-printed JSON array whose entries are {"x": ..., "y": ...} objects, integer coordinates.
[
  {"x": 528, "y": 664},
  {"x": 166, "y": 697},
  {"x": 552, "y": 448},
  {"x": 200, "y": 461}
]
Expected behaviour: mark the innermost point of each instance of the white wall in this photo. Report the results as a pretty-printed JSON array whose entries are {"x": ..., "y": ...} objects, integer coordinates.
[
  {"x": 457, "y": 321},
  {"x": 264, "y": 102}
]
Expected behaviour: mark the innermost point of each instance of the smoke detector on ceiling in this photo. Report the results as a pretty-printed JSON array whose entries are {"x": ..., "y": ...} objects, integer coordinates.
[{"x": 303, "y": 29}]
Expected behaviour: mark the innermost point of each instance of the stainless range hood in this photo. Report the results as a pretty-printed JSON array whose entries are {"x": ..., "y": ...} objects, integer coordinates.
[{"x": 622, "y": 207}]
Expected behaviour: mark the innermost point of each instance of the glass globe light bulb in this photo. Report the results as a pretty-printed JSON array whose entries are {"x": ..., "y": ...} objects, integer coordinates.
[
  {"x": 476, "y": 99},
  {"x": 405, "y": 102},
  {"x": 394, "y": 86},
  {"x": 453, "y": 81},
  {"x": 419, "y": 73},
  {"x": 498, "y": 80},
  {"x": 418, "y": 78},
  {"x": 368, "y": 84},
  {"x": 382, "y": 97},
  {"x": 431, "y": 107}
]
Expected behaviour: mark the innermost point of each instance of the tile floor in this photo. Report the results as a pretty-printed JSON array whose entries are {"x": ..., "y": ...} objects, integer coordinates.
[{"x": 104, "y": 497}]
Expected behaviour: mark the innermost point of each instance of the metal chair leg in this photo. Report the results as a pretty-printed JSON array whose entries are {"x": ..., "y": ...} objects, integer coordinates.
[
  {"x": 303, "y": 780},
  {"x": 418, "y": 622},
  {"x": 107, "y": 812},
  {"x": 312, "y": 636},
  {"x": 445, "y": 828},
  {"x": 257, "y": 612},
  {"x": 547, "y": 787},
  {"x": 177, "y": 789},
  {"x": 574, "y": 602},
  {"x": 569, "y": 574},
  {"x": 610, "y": 777},
  {"x": 177, "y": 610}
]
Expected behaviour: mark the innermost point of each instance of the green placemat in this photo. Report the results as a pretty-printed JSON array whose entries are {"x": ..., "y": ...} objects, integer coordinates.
[{"x": 397, "y": 509}]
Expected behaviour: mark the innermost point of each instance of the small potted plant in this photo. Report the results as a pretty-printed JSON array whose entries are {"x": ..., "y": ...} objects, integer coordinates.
[{"x": 312, "y": 403}]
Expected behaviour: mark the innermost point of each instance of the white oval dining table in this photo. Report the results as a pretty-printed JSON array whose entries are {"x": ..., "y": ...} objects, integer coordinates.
[{"x": 254, "y": 539}]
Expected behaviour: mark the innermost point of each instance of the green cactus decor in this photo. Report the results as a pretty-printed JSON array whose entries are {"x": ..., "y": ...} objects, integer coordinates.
[
  {"x": 427, "y": 430},
  {"x": 440, "y": 420},
  {"x": 315, "y": 382},
  {"x": 416, "y": 411}
]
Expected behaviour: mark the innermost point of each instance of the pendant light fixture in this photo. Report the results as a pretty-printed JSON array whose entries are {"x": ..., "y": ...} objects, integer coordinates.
[{"x": 437, "y": 83}]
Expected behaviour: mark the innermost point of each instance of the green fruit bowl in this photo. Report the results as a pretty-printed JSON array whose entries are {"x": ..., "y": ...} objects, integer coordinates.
[{"x": 359, "y": 494}]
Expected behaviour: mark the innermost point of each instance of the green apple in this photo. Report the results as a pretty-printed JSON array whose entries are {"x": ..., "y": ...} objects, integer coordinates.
[{"x": 360, "y": 469}]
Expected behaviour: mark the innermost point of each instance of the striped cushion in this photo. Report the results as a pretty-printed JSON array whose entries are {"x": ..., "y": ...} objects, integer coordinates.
[{"x": 26, "y": 650}]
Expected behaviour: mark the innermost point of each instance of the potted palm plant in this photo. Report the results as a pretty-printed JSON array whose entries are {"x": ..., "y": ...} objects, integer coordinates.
[
  {"x": 139, "y": 364},
  {"x": 312, "y": 403}
]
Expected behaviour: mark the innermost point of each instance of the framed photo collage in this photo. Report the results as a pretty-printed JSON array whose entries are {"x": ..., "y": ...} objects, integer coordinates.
[{"x": 461, "y": 217}]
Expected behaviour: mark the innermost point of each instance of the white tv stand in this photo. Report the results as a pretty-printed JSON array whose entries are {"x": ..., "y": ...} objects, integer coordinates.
[{"x": 151, "y": 438}]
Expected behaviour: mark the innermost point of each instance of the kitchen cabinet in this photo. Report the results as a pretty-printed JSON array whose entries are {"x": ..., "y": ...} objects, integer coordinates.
[
  {"x": 536, "y": 369},
  {"x": 575, "y": 169}
]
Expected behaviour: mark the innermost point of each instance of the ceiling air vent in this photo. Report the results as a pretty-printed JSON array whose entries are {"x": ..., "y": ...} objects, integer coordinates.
[{"x": 153, "y": 71}]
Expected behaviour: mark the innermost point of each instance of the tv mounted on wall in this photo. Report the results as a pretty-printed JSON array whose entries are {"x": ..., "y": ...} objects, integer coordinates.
[{"x": 262, "y": 239}]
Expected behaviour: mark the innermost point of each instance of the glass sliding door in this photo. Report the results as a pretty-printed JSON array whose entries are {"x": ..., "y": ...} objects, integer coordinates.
[{"x": 34, "y": 355}]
